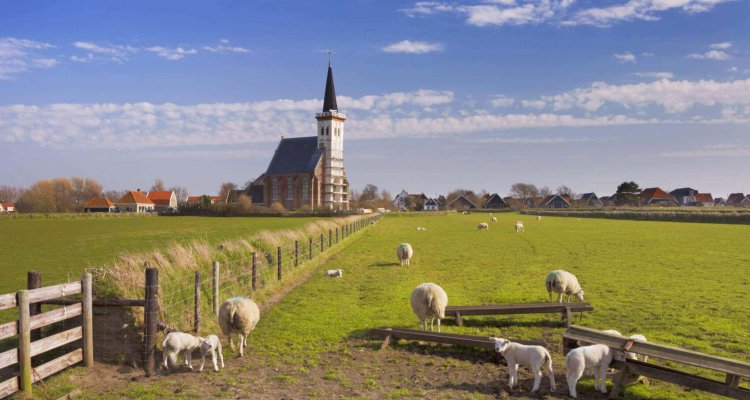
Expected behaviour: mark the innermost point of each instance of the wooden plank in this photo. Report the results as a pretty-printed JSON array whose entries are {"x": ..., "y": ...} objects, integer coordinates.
[
  {"x": 518, "y": 308},
  {"x": 7, "y": 301},
  {"x": 87, "y": 320},
  {"x": 8, "y": 329},
  {"x": 651, "y": 349},
  {"x": 99, "y": 303},
  {"x": 24, "y": 344},
  {"x": 58, "y": 364},
  {"x": 53, "y": 292},
  {"x": 444, "y": 338},
  {"x": 8, "y": 357},
  {"x": 8, "y": 387},
  {"x": 51, "y": 317},
  {"x": 57, "y": 340}
]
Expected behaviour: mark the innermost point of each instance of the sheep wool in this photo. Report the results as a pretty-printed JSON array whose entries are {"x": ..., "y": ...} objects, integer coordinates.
[
  {"x": 429, "y": 300},
  {"x": 404, "y": 252},
  {"x": 563, "y": 282},
  {"x": 238, "y": 315}
]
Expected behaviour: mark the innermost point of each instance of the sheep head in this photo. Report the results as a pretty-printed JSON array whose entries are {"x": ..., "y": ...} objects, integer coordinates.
[{"x": 500, "y": 344}]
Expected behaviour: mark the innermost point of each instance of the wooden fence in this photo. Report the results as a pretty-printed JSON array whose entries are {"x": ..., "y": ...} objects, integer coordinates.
[{"x": 27, "y": 301}]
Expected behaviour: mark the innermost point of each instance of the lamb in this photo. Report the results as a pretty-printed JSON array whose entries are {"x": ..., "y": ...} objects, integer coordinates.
[
  {"x": 519, "y": 226},
  {"x": 404, "y": 252},
  {"x": 421, "y": 228},
  {"x": 483, "y": 226},
  {"x": 212, "y": 345},
  {"x": 595, "y": 358},
  {"x": 538, "y": 218},
  {"x": 334, "y": 273},
  {"x": 429, "y": 300},
  {"x": 238, "y": 315},
  {"x": 534, "y": 357},
  {"x": 176, "y": 342},
  {"x": 494, "y": 219},
  {"x": 563, "y": 282}
]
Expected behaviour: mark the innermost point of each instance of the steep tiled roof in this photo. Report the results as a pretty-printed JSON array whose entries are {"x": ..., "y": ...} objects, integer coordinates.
[
  {"x": 704, "y": 198},
  {"x": 329, "y": 101},
  {"x": 99, "y": 202},
  {"x": 160, "y": 198},
  {"x": 735, "y": 198},
  {"x": 655, "y": 194},
  {"x": 296, "y": 155},
  {"x": 8, "y": 205},
  {"x": 135, "y": 197}
]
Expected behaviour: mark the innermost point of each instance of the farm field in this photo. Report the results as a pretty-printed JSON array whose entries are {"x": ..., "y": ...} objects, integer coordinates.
[
  {"x": 65, "y": 247},
  {"x": 681, "y": 284}
]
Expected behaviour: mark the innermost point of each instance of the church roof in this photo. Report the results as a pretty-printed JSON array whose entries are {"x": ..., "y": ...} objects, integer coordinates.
[
  {"x": 296, "y": 155},
  {"x": 329, "y": 102}
]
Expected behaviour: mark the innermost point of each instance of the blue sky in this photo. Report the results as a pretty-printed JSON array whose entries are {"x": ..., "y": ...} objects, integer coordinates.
[{"x": 439, "y": 95}]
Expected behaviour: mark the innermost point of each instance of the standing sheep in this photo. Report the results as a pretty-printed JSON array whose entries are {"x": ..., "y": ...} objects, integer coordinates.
[
  {"x": 494, "y": 219},
  {"x": 429, "y": 300},
  {"x": 483, "y": 226},
  {"x": 334, "y": 273},
  {"x": 595, "y": 358},
  {"x": 519, "y": 226},
  {"x": 563, "y": 282},
  {"x": 179, "y": 342},
  {"x": 212, "y": 345},
  {"x": 538, "y": 218},
  {"x": 404, "y": 252},
  {"x": 534, "y": 357},
  {"x": 238, "y": 315}
]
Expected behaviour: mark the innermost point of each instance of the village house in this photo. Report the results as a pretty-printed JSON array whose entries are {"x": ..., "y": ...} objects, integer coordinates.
[
  {"x": 704, "y": 199},
  {"x": 735, "y": 199},
  {"x": 193, "y": 200},
  {"x": 746, "y": 201},
  {"x": 134, "y": 201},
  {"x": 656, "y": 197},
  {"x": 719, "y": 201},
  {"x": 589, "y": 200},
  {"x": 555, "y": 201},
  {"x": 495, "y": 202},
  {"x": 163, "y": 201},
  {"x": 409, "y": 201},
  {"x": 684, "y": 196},
  {"x": 7, "y": 207},
  {"x": 99, "y": 205},
  {"x": 461, "y": 203},
  {"x": 431, "y": 205}
]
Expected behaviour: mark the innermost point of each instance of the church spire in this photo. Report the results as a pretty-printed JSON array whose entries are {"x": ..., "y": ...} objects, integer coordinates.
[{"x": 329, "y": 102}]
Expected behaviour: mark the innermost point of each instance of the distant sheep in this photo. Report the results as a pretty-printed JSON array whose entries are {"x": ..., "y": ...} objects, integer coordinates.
[
  {"x": 494, "y": 219},
  {"x": 429, "y": 300},
  {"x": 535, "y": 357},
  {"x": 334, "y": 273},
  {"x": 519, "y": 226},
  {"x": 421, "y": 228},
  {"x": 404, "y": 252},
  {"x": 179, "y": 342},
  {"x": 211, "y": 345},
  {"x": 595, "y": 358},
  {"x": 238, "y": 315},
  {"x": 483, "y": 226},
  {"x": 538, "y": 218},
  {"x": 563, "y": 282}
]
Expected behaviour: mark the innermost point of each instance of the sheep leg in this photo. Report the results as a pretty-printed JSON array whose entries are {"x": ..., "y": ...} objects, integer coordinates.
[
  {"x": 512, "y": 374},
  {"x": 189, "y": 359},
  {"x": 559, "y": 297},
  {"x": 221, "y": 356},
  {"x": 164, "y": 359},
  {"x": 438, "y": 325},
  {"x": 213, "y": 360},
  {"x": 203, "y": 361},
  {"x": 231, "y": 343},
  {"x": 572, "y": 376},
  {"x": 603, "y": 377},
  {"x": 537, "y": 379},
  {"x": 432, "y": 321},
  {"x": 547, "y": 366},
  {"x": 242, "y": 345}
]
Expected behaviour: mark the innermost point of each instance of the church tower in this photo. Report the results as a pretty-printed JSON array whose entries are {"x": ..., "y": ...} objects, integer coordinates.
[{"x": 335, "y": 188}]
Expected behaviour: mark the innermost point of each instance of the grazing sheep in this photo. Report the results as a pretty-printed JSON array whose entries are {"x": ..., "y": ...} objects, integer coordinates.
[
  {"x": 404, "y": 252},
  {"x": 563, "y": 282},
  {"x": 238, "y": 315},
  {"x": 334, "y": 273},
  {"x": 421, "y": 228},
  {"x": 483, "y": 226},
  {"x": 519, "y": 226},
  {"x": 595, "y": 358},
  {"x": 176, "y": 342},
  {"x": 538, "y": 218},
  {"x": 534, "y": 357},
  {"x": 428, "y": 300},
  {"x": 638, "y": 337},
  {"x": 212, "y": 345},
  {"x": 494, "y": 219}
]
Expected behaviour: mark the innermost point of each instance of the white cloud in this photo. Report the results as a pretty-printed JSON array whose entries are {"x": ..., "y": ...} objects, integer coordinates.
[
  {"x": 655, "y": 75},
  {"x": 531, "y": 140},
  {"x": 416, "y": 47},
  {"x": 174, "y": 54},
  {"x": 538, "y": 104},
  {"x": 224, "y": 47},
  {"x": 116, "y": 53},
  {"x": 502, "y": 101},
  {"x": 722, "y": 46},
  {"x": 713, "y": 151},
  {"x": 20, "y": 55},
  {"x": 643, "y": 10},
  {"x": 625, "y": 57},
  {"x": 711, "y": 55}
]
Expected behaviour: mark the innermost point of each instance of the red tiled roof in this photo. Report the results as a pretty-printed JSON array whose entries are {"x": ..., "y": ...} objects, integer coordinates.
[
  {"x": 135, "y": 197},
  {"x": 655, "y": 193},
  {"x": 160, "y": 198},
  {"x": 217, "y": 198},
  {"x": 704, "y": 198},
  {"x": 99, "y": 202},
  {"x": 8, "y": 205}
]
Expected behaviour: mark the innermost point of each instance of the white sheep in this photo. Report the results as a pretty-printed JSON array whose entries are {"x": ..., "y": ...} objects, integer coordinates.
[
  {"x": 334, "y": 273},
  {"x": 483, "y": 226},
  {"x": 421, "y": 228},
  {"x": 404, "y": 252},
  {"x": 429, "y": 300},
  {"x": 179, "y": 342},
  {"x": 238, "y": 315},
  {"x": 519, "y": 226},
  {"x": 595, "y": 358},
  {"x": 538, "y": 218},
  {"x": 563, "y": 282},
  {"x": 535, "y": 357},
  {"x": 494, "y": 219},
  {"x": 212, "y": 345}
]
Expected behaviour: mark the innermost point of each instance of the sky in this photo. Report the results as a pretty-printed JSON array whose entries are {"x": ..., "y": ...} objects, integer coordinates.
[{"x": 474, "y": 94}]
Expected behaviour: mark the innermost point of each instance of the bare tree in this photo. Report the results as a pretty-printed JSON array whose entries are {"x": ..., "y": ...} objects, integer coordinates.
[
  {"x": 226, "y": 189},
  {"x": 565, "y": 191},
  {"x": 524, "y": 191},
  {"x": 545, "y": 191},
  {"x": 180, "y": 192},
  {"x": 158, "y": 186},
  {"x": 10, "y": 193}
]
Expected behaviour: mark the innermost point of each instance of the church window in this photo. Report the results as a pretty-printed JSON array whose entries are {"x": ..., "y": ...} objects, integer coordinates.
[
  {"x": 322, "y": 130},
  {"x": 305, "y": 187},
  {"x": 274, "y": 189},
  {"x": 327, "y": 130},
  {"x": 289, "y": 189}
]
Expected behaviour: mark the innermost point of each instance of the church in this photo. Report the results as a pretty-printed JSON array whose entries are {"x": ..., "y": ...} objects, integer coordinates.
[{"x": 308, "y": 171}]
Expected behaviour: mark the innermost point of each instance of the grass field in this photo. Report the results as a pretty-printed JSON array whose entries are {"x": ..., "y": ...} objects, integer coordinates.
[
  {"x": 64, "y": 247},
  {"x": 677, "y": 283}
]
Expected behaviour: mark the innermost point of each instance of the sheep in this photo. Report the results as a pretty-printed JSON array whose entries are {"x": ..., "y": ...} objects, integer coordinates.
[
  {"x": 494, "y": 219},
  {"x": 595, "y": 358},
  {"x": 421, "y": 228},
  {"x": 429, "y": 300},
  {"x": 563, "y": 282},
  {"x": 212, "y": 345},
  {"x": 483, "y": 226},
  {"x": 404, "y": 252},
  {"x": 538, "y": 218},
  {"x": 534, "y": 357},
  {"x": 334, "y": 273},
  {"x": 238, "y": 315},
  {"x": 519, "y": 226},
  {"x": 176, "y": 342}
]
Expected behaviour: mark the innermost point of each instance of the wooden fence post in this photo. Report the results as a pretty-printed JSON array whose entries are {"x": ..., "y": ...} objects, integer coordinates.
[
  {"x": 330, "y": 238},
  {"x": 337, "y": 235},
  {"x": 278, "y": 261},
  {"x": 321, "y": 242},
  {"x": 197, "y": 305},
  {"x": 34, "y": 281},
  {"x": 215, "y": 284},
  {"x": 24, "y": 344},
  {"x": 88, "y": 320},
  {"x": 296, "y": 253},
  {"x": 311, "y": 248},
  {"x": 151, "y": 315},
  {"x": 255, "y": 271}
]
